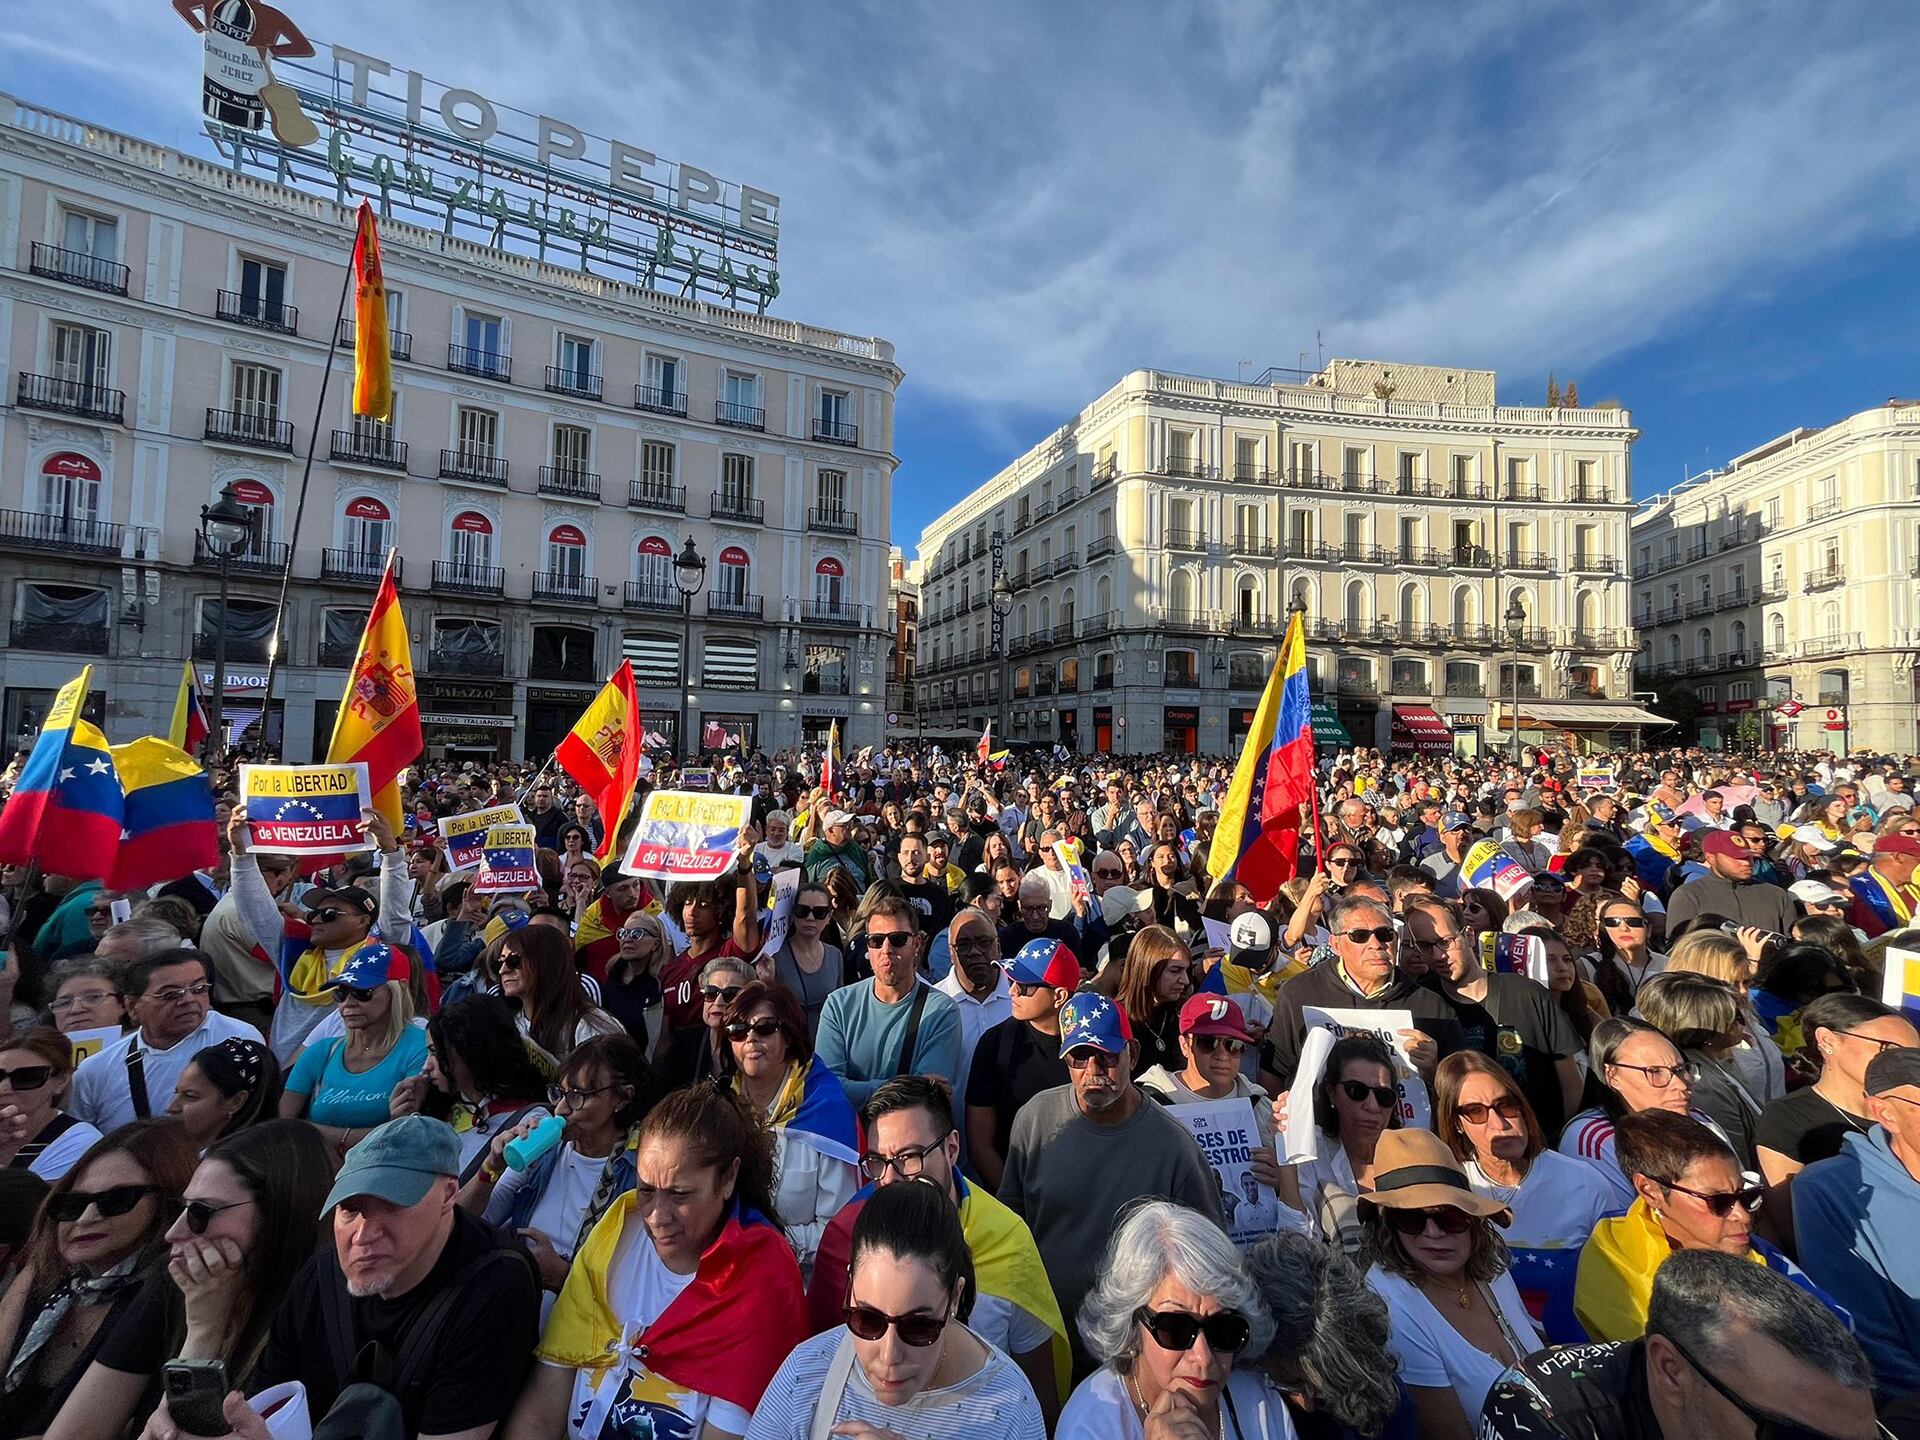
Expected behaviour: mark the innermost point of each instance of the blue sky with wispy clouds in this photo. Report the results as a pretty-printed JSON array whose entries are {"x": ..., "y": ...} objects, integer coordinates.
[{"x": 1711, "y": 212}]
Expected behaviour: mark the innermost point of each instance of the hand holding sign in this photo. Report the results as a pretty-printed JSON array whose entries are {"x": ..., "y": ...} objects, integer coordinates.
[{"x": 309, "y": 809}]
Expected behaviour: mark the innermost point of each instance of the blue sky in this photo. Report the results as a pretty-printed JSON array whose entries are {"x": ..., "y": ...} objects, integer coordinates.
[{"x": 1709, "y": 212}]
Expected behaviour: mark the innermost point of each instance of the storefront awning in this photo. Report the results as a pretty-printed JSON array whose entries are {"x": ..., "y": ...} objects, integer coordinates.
[
  {"x": 1537, "y": 713},
  {"x": 1419, "y": 727},
  {"x": 1327, "y": 729}
]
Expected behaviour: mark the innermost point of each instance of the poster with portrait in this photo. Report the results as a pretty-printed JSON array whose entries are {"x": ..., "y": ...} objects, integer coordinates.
[
  {"x": 1227, "y": 1135},
  {"x": 1414, "y": 1107}
]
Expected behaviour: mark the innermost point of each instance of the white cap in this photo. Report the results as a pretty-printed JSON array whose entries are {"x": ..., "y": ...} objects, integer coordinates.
[
  {"x": 1251, "y": 932},
  {"x": 837, "y": 817},
  {"x": 1815, "y": 892}
]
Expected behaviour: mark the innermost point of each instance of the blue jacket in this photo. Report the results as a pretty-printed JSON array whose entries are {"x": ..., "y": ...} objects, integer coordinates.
[
  {"x": 1855, "y": 1217},
  {"x": 541, "y": 1175}
]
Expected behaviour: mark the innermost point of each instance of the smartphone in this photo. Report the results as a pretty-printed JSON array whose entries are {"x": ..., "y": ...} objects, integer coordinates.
[{"x": 196, "y": 1392}]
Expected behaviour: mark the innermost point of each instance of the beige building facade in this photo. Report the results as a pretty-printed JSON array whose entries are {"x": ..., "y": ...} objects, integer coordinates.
[
  {"x": 1791, "y": 578},
  {"x": 1153, "y": 545},
  {"x": 558, "y": 437}
]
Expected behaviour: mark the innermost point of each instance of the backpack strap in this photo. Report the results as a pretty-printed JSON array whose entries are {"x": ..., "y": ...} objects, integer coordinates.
[
  {"x": 832, "y": 1390},
  {"x": 480, "y": 1155},
  {"x": 913, "y": 1029},
  {"x": 336, "y": 1318},
  {"x": 422, "y": 1338},
  {"x": 137, "y": 1080}
]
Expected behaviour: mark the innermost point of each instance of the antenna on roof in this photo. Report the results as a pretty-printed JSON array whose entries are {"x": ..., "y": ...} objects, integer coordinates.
[{"x": 1320, "y": 351}]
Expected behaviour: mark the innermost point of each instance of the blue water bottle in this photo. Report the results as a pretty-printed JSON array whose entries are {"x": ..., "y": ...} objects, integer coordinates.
[{"x": 530, "y": 1147}]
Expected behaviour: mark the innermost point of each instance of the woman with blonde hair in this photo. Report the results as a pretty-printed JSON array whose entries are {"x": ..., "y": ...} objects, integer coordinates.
[
  {"x": 344, "y": 1085},
  {"x": 1756, "y": 1059},
  {"x": 1701, "y": 1016},
  {"x": 1150, "y": 985}
]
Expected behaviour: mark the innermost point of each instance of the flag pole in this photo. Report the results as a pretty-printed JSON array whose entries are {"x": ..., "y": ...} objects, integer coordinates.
[{"x": 300, "y": 510}]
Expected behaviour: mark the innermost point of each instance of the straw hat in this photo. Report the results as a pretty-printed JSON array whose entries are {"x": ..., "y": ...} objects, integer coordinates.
[{"x": 1414, "y": 1170}]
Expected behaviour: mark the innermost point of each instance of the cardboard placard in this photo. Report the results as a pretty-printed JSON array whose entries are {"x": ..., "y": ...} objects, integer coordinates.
[
  {"x": 1414, "y": 1107},
  {"x": 506, "y": 862},
  {"x": 1228, "y": 1135},
  {"x": 466, "y": 834}
]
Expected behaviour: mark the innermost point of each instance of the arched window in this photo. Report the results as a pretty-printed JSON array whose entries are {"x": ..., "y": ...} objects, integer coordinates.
[
  {"x": 1357, "y": 611},
  {"x": 1410, "y": 608},
  {"x": 1463, "y": 608},
  {"x": 567, "y": 558},
  {"x": 1102, "y": 595},
  {"x": 1737, "y": 636},
  {"x": 1046, "y": 615},
  {"x": 830, "y": 585},
  {"x": 1586, "y": 613},
  {"x": 1673, "y": 651},
  {"x": 733, "y": 579},
  {"x": 366, "y": 533},
  {"x": 70, "y": 485},
  {"x": 1246, "y": 606},
  {"x": 1022, "y": 625},
  {"x": 1703, "y": 643},
  {"x": 1830, "y": 618},
  {"x": 1066, "y": 607},
  {"x": 1180, "y": 593},
  {"x": 653, "y": 574},
  {"x": 256, "y": 496},
  {"x": 470, "y": 546},
  {"x": 1776, "y": 634}
]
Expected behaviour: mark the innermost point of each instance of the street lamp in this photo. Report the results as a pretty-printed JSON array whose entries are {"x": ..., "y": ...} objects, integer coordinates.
[
  {"x": 225, "y": 528},
  {"x": 689, "y": 574},
  {"x": 1000, "y": 598},
  {"x": 1516, "y": 619}
]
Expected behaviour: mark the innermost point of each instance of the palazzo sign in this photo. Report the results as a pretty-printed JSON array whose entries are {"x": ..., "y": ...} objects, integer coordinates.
[{"x": 351, "y": 126}]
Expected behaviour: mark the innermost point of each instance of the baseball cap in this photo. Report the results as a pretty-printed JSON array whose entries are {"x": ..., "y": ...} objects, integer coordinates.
[
  {"x": 1044, "y": 962},
  {"x": 836, "y": 817},
  {"x": 1896, "y": 845},
  {"x": 369, "y": 966},
  {"x": 1093, "y": 1020},
  {"x": 1816, "y": 892},
  {"x": 1891, "y": 1069},
  {"x": 1724, "y": 843},
  {"x": 350, "y": 897},
  {"x": 1251, "y": 932},
  {"x": 1456, "y": 821},
  {"x": 1661, "y": 813},
  {"x": 397, "y": 1162},
  {"x": 1213, "y": 1015},
  {"x": 1121, "y": 901}
]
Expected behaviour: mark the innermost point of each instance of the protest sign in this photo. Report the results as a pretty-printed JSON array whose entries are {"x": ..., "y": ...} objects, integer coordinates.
[
  {"x": 1228, "y": 1135},
  {"x": 686, "y": 837},
  {"x": 466, "y": 834},
  {"x": 783, "y": 887},
  {"x": 1219, "y": 936},
  {"x": 506, "y": 861},
  {"x": 1302, "y": 1138},
  {"x": 306, "y": 809},
  {"x": 1414, "y": 1109},
  {"x": 1509, "y": 877},
  {"x": 1900, "y": 981},
  {"x": 1070, "y": 856},
  {"x": 696, "y": 777},
  {"x": 91, "y": 1042},
  {"x": 1593, "y": 775}
]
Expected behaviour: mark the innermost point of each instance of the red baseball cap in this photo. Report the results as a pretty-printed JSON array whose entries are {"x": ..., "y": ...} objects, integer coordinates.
[
  {"x": 1725, "y": 842},
  {"x": 1897, "y": 845},
  {"x": 1213, "y": 1015}
]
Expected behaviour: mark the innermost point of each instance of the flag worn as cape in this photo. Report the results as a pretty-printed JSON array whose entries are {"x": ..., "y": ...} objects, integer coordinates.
[
  {"x": 814, "y": 1108},
  {"x": 167, "y": 820},
  {"x": 65, "y": 810}
]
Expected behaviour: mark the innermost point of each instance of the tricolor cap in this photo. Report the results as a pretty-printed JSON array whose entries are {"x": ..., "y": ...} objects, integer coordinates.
[
  {"x": 1044, "y": 962},
  {"x": 1661, "y": 813},
  {"x": 1214, "y": 1015},
  {"x": 369, "y": 967},
  {"x": 1091, "y": 1019}
]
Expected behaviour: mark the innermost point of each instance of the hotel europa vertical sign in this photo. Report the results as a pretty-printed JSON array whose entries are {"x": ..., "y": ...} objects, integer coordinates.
[{"x": 351, "y": 126}]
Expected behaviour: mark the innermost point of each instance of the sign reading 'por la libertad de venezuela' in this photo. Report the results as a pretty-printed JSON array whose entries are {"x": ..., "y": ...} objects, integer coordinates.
[
  {"x": 306, "y": 809},
  {"x": 683, "y": 836}
]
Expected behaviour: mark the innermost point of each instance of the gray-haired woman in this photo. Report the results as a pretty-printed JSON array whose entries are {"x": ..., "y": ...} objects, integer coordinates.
[
  {"x": 702, "y": 1054},
  {"x": 1329, "y": 1358},
  {"x": 1170, "y": 1313}
]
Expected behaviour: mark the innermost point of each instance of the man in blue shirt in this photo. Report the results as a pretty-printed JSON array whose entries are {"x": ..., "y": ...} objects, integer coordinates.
[{"x": 894, "y": 1023}]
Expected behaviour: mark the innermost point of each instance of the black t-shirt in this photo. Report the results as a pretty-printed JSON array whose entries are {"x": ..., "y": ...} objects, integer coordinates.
[
  {"x": 147, "y": 1335},
  {"x": 1520, "y": 1026},
  {"x": 1015, "y": 936},
  {"x": 933, "y": 902},
  {"x": 1806, "y": 1126},
  {"x": 1013, "y": 1063},
  {"x": 1573, "y": 1392},
  {"x": 477, "y": 1363}
]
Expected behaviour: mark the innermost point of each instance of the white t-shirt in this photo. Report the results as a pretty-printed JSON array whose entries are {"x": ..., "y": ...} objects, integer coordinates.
[
  {"x": 100, "y": 1095},
  {"x": 64, "y": 1152},
  {"x": 1006, "y": 1326},
  {"x": 1557, "y": 1205},
  {"x": 1101, "y": 1409},
  {"x": 631, "y": 1401},
  {"x": 1435, "y": 1356},
  {"x": 557, "y": 1213}
]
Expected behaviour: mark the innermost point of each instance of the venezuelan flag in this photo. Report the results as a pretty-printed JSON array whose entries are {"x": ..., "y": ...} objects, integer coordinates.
[
  {"x": 65, "y": 810},
  {"x": 379, "y": 716},
  {"x": 1258, "y": 838},
  {"x": 190, "y": 724},
  {"x": 1900, "y": 982},
  {"x": 168, "y": 827},
  {"x": 372, "y": 347},
  {"x": 602, "y": 752}
]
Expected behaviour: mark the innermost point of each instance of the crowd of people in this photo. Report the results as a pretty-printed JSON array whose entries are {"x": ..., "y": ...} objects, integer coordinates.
[{"x": 1634, "y": 1150}]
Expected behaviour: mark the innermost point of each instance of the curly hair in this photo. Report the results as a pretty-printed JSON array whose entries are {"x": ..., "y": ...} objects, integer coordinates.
[{"x": 1330, "y": 1331}]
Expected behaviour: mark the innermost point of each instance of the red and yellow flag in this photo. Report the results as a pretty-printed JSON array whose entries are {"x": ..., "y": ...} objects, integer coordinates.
[
  {"x": 602, "y": 752},
  {"x": 379, "y": 716},
  {"x": 372, "y": 347}
]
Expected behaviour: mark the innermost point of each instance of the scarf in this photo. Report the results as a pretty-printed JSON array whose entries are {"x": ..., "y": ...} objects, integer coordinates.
[
  {"x": 74, "y": 1291},
  {"x": 812, "y": 1106}
]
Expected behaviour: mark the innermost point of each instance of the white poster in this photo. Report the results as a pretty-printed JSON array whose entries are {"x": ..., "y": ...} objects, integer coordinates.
[
  {"x": 785, "y": 885},
  {"x": 1414, "y": 1109},
  {"x": 1301, "y": 1141},
  {"x": 1228, "y": 1135}
]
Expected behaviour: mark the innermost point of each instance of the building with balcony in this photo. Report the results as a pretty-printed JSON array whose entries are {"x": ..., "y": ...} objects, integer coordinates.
[
  {"x": 1792, "y": 574},
  {"x": 1153, "y": 545},
  {"x": 168, "y": 319},
  {"x": 903, "y": 618}
]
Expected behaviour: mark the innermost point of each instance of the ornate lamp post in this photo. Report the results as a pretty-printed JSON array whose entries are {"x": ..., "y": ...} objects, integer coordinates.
[
  {"x": 1516, "y": 619},
  {"x": 226, "y": 526},
  {"x": 689, "y": 574}
]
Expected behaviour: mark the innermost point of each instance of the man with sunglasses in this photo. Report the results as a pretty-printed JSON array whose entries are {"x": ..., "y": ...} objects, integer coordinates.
[
  {"x": 1081, "y": 1153},
  {"x": 1856, "y": 1222},
  {"x": 1729, "y": 891},
  {"x": 1456, "y": 833},
  {"x": 894, "y": 1022},
  {"x": 1732, "y": 1351}
]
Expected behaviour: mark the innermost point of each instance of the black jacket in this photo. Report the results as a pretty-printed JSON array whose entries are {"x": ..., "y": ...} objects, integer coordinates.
[{"x": 1324, "y": 986}]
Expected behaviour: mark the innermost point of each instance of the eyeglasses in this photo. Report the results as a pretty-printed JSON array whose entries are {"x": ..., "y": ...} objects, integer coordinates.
[
  {"x": 765, "y": 1027},
  {"x": 100, "y": 912},
  {"x": 1661, "y": 1076},
  {"x": 1342, "y": 861},
  {"x": 1227, "y": 1332},
  {"x": 1109, "y": 874},
  {"x": 889, "y": 940},
  {"x": 979, "y": 945},
  {"x": 1414, "y": 1222},
  {"x": 1875, "y": 1040},
  {"x": 1766, "y": 1427},
  {"x": 117, "y": 1200},
  {"x": 1506, "y": 1107},
  {"x": 919, "y": 1331},
  {"x": 27, "y": 1077},
  {"x": 92, "y": 997},
  {"x": 720, "y": 994},
  {"x": 635, "y": 935},
  {"x": 174, "y": 994},
  {"x": 812, "y": 912},
  {"x": 1358, "y": 1090},
  {"x": 573, "y": 1099},
  {"x": 905, "y": 1163},
  {"x": 1383, "y": 933},
  {"x": 1211, "y": 1043},
  {"x": 199, "y": 1213},
  {"x": 1082, "y": 1056},
  {"x": 1720, "y": 1202}
]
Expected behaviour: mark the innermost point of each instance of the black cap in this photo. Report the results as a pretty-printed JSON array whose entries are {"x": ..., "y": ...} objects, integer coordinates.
[
  {"x": 1891, "y": 1069},
  {"x": 351, "y": 897}
]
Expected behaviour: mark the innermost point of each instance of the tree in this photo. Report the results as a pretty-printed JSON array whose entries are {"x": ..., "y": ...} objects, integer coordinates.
[
  {"x": 1553, "y": 392},
  {"x": 1678, "y": 703},
  {"x": 1747, "y": 733},
  {"x": 1573, "y": 395}
]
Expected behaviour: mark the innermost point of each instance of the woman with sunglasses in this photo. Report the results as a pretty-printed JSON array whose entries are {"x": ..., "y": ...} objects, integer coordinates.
[
  {"x": 1627, "y": 959},
  {"x": 479, "y": 1077},
  {"x": 250, "y": 1220},
  {"x": 815, "y": 1134},
  {"x": 693, "y": 1263},
  {"x": 96, "y": 1237},
  {"x": 344, "y": 1085},
  {"x": 1483, "y": 911},
  {"x": 632, "y": 992},
  {"x": 1457, "y": 1319},
  {"x": 910, "y": 1291},
  {"x": 714, "y": 922},
  {"x": 554, "y": 1008},
  {"x": 806, "y": 965},
  {"x": 225, "y": 1088},
  {"x": 1632, "y": 1067},
  {"x": 1690, "y": 1194},
  {"x": 1844, "y": 1033},
  {"x": 1169, "y": 1314},
  {"x": 1482, "y": 1114},
  {"x": 1356, "y": 1101},
  {"x": 36, "y": 1067},
  {"x": 702, "y": 1052}
]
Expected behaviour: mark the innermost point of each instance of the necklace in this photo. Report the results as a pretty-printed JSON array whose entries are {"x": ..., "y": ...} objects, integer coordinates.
[
  {"x": 1851, "y": 1123},
  {"x": 1465, "y": 1290}
]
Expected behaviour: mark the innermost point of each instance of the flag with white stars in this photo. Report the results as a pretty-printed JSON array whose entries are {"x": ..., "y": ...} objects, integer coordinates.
[{"x": 67, "y": 809}]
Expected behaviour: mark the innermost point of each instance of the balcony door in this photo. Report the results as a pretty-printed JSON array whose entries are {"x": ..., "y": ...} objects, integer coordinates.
[
  {"x": 470, "y": 545},
  {"x": 70, "y": 491},
  {"x": 82, "y": 359},
  {"x": 366, "y": 533}
]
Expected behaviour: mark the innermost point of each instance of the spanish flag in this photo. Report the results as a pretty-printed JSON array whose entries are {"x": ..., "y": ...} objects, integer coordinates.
[
  {"x": 985, "y": 748},
  {"x": 190, "y": 724},
  {"x": 379, "y": 716},
  {"x": 1258, "y": 838},
  {"x": 372, "y": 348},
  {"x": 602, "y": 752}
]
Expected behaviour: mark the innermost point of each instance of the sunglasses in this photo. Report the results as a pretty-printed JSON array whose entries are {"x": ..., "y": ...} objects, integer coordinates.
[
  {"x": 892, "y": 940},
  {"x": 354, "y": 992},
  {"x": 117, "y": 1200},
  {"x": 1720, "y": 1202},
  {"x": 764, "y": 1027},
  {"x": 812, "y": 912},
  {"x": 27, "y": 1077},
  {"x": 1211, "y": 1043},
  {"x": 1358, "y": 1090},
  {"x": 1085, "y": 1055},
  {"x": 716, "y": 994},
  {"x": 199, "y": 1214},
  {"x": 510, "y": 961},
  {"x": 1506, "y": 1107},
  {"x": 324, "y": 917},
  {"x": 100, "y": 913},
  {"x": 1025, "y": 990},
  {"x": 1343, "y": 861},
  {"x": 1414, "y": 1222},
  {"x": 1227, "y": 1332},
  {"x": 1383, "y": 933},
  {"x": 919, "y": 1331},
  {"x": 1765, "y": 1426},
  {"x": 1625, "y": 922},
  {"x": 635, "y": 935}
]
